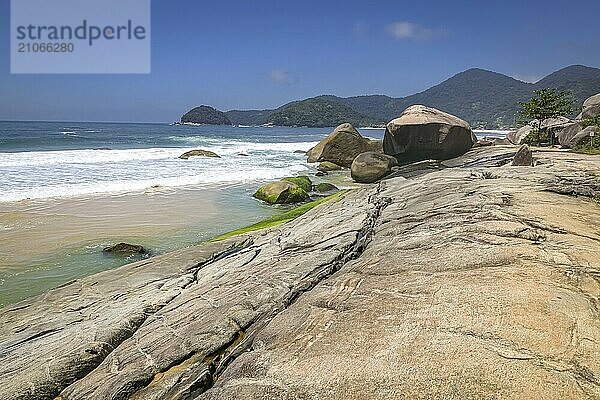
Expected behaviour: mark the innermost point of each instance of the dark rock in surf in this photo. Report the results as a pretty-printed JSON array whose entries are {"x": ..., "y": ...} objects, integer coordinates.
[
  {"x": 125, "y": 249},
  {"x": 199, "y": 153},
  {"x": 325, "y": 187}
]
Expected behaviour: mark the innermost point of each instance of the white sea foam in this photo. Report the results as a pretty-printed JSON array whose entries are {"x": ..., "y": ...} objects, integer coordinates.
[
  {"x": 230, "y": 147},
  {"x": 480, "y": 133},
  {"x": 69, "y": 173}
]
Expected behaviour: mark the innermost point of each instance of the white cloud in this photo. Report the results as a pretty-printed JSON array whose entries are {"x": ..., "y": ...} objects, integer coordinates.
[
  {"x": 408, "y": 30},
  {"x": 280, "y": 76}
]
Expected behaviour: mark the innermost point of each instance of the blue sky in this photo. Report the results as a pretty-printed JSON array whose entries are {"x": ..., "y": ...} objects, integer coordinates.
[{"x": 261, "y": 54}]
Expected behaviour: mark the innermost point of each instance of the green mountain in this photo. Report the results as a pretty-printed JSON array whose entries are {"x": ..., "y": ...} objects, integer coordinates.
[
  {"x": 248, "y": 117},
  {"x": 485, "y": 99},
  {"x": 581, "y": 81},
  {"x": 205, "y": 115}
]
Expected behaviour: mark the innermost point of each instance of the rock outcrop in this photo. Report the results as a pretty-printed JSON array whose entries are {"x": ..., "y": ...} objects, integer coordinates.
[
  {"x": 575, "y": 134},
  {"x": 464, "y": 283},
  {"x": 421, "y": 133},
  {"x": 341, "y": 146},
  {"x": 523, "y": 157},
  {"x": 591, "y": 107},
  {"x": 552, "y": 125},
  {"x": 205, "y": 115},
  {"x": 281, "y": 192},
  {"x": 199, "y": 153},
  {"x": 370, "y": 167}
]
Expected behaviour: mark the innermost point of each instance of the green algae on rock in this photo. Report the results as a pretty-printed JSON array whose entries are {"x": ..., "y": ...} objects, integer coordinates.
[
  {"x": 281, "y": 218},
  {"x": 325, "y": 187},
  {"x": 327, "y": 166},
  {"x": 302, "y": 181},
  {"x": 281, "y": 192}
]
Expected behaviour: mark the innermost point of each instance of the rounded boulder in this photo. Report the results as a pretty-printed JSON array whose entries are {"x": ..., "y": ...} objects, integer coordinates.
[
  {"x": 281, "y": 192},
  {"x": 340, "y": 147},
  {"x": 371, "y": 166},
  {"x": 422, "y": 133}
]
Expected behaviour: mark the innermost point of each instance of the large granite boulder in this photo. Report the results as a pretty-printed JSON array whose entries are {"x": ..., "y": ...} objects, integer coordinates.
[
  {"x": 516, "y": 137},
  {"x": 325, "y": 187},
  {"x": 555, "y": 123},
  {"x": 566, "y": 135},
  {"x": 370, "y": 167},
  {"x": 575, "y": 134},
  {"x": 375, "y": 145},
  {"x": 591, "y": 107},
  {"x": 340, "y": 147},
  {"x": 281, "y": 192},
  {"x": 421, "y": 133}
]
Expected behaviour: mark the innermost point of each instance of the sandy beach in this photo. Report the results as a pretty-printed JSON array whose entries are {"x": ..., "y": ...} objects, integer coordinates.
[{"x": 48, "y": 242}]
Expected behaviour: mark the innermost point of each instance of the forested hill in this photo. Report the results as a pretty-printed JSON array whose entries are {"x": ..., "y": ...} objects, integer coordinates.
[{"x": 483, "y": 98}]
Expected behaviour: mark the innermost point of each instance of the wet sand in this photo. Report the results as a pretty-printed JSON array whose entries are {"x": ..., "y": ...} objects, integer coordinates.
[{"x": 45, "y": 243}]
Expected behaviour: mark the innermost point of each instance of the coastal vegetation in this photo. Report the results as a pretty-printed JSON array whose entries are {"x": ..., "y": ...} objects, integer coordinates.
[
  {"x": 281, "y": 218},
  {"x": 545, "y": 104}
]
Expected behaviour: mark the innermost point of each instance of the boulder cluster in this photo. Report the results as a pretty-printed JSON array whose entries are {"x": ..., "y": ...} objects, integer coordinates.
[
  {"x": 567, "y": 132},
  {"x": 419, "y": 133}
]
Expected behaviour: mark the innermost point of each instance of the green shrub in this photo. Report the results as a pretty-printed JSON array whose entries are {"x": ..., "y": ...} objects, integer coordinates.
[{"x": 537, "y": 137}]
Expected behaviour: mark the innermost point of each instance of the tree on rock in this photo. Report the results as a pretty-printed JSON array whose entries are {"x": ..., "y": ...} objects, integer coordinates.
[{"x": 545, "y": 103}]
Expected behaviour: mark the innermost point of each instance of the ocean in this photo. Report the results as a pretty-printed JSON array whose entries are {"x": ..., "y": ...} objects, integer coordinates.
[
  {"x": 69, "y": 189},
  {"x": 51, "y": 159}
]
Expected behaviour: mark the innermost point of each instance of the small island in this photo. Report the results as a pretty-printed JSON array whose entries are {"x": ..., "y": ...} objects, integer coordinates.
[{"x": 205, "y": 115}]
